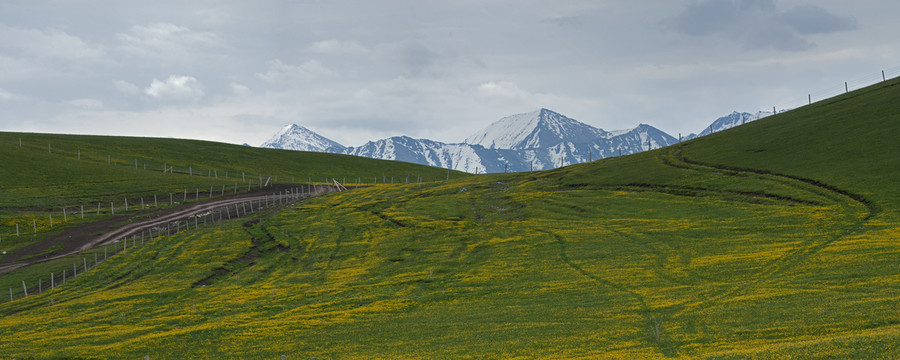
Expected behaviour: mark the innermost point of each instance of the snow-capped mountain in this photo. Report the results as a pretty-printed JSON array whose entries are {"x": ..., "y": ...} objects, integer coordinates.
[
  {"x": 538, "y": 129},
  {"x": 546, "y": 139},
  {"x": 538, "y": 140},
  {"x": 296, "y": 137},
  {"x": 463, "y": 157},
  {"x": 729, "y": 121}
]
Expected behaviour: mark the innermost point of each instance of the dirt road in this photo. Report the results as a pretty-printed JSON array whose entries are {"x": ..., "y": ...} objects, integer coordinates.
[{"x": 86, "y": 236}]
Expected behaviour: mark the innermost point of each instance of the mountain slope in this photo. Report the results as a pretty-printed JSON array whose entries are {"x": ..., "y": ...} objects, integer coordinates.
[
  {"x": 538, "y": 129},
  {"x": 538, "y": 140},
  {"x": 729, "y": 121},
  {"x": 296, "y": 137}
]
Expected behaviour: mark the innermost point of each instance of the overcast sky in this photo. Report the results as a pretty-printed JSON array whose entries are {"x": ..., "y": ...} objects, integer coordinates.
[{"x": 354, "y": 71}]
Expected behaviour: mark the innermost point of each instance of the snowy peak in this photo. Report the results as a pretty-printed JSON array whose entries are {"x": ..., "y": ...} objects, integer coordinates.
[
  {"x": 463, "y": 157},
  {"x": 538, "y": 140},
  {"x": 296, "y": 137},
  {"x": 729, "y": 121},
  {"x": 538, "y": 129},
  {"x": 646, "y": 137}
]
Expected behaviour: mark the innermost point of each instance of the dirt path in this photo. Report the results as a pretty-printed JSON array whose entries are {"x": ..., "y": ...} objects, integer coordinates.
[{"x": 86, "y": 236}]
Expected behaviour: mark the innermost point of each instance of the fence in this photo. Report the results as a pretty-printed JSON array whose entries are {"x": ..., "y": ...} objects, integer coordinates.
[
  {"x": 155, "y": 230},
  {"x": 191, "y": 170},
  {"x": 839, "y": 89},
  {"x": 51, "y": 215}
]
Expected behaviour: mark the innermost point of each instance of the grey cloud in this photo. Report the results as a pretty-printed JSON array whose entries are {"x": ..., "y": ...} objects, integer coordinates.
[
  {"x": 281, "y": 72},
  {"x": 168, "y": 42},
  {"x": 9, "y": 96},
  {"x": 758, "y": 23},
  {"x": 412, "y": 56},
  {"x": 811, "y": 19},
  {"x": 573, "y": 22},
  {"x": 47, "y": 44}
]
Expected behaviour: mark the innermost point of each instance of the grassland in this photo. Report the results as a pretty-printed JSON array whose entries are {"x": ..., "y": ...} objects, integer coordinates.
[
  {"x": 43, "y": 174},
  {"x": 776, "y": 239},
  {"x": 92, "y": 177}
]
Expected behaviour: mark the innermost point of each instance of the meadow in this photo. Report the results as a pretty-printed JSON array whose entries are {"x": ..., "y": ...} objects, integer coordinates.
[{"x": 772, "y": 240}]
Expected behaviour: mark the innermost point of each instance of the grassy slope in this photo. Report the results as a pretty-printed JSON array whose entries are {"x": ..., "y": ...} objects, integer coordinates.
[
  {"x": 32, "y": 175},
  {"x": 718, "y": 248},
  {"x": 50, "y": 172},
  {"x": 35, "y": 182}
]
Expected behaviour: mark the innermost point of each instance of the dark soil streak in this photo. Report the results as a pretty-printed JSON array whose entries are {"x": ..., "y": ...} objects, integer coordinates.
[{"x": 85, "y": 236}]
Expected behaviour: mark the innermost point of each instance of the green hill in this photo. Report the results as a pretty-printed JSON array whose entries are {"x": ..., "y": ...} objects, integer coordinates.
[
  {"x": 42, "y": 174},
  {"x": 776, "y": 239}
]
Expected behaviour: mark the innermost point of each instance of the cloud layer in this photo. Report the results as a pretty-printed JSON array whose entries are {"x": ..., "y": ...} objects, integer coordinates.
[
  {"x": 759, "y": 24},
  {"x": 359, "y": 70}
]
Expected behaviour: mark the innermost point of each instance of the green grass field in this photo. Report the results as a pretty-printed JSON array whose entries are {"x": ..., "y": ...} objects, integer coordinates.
[
  {"x": 92, "y": 176},
  {"x": 773, "y": 240}
]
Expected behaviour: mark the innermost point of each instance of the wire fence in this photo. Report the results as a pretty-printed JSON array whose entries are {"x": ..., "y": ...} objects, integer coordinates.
[
  {"x": 153, "y": 231},
  {"x": 839, "y": 89}
]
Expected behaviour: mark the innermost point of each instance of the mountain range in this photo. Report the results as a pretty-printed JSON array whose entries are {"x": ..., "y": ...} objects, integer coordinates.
[{"x": 538, "y": 140}]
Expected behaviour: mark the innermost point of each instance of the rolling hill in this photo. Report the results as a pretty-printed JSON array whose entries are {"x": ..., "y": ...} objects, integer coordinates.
[{"x": 776, "y": 239}]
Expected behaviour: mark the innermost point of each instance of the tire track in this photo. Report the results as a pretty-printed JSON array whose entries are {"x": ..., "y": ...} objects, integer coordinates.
[
  {"x": 674, "y": 157},
  {"x": 670, "y": 348},
  {"x": 133, "y": 228}
]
